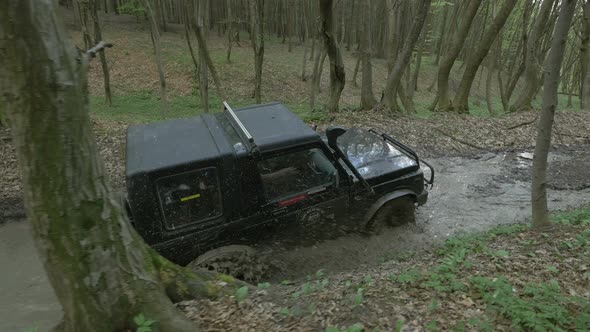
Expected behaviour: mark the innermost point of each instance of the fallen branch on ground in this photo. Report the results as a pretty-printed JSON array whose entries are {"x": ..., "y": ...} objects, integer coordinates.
[
  {"x": 524, "y": 123},
  {"x": 460, "y": 140}
]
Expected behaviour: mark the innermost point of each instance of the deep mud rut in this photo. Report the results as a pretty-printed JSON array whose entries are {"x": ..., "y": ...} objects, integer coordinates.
[{"x": 469, "y": 195}]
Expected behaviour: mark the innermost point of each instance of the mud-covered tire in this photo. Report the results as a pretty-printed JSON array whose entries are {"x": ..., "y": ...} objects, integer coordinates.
[
  {"x": 397, "y": 212},
  {"x": 238, "y": 261}
]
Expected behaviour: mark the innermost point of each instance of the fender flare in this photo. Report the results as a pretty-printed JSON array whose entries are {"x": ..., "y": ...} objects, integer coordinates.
[{"x": 384, "y": 199}]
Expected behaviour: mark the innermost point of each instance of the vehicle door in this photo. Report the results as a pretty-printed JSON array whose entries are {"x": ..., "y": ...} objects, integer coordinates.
[{"x": 305, "y": 186}]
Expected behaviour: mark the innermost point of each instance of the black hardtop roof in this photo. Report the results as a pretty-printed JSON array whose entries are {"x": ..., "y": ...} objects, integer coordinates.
[
  {"x": 273, "y": 127},
  {"x": 171, "y": 143},
  {"x": 182, "y": 142}
]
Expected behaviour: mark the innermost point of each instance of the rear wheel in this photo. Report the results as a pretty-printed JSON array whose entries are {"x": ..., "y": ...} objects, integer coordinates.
[
  {"x": 397, "y": 212},
  {"x": 238, "y": 261}
]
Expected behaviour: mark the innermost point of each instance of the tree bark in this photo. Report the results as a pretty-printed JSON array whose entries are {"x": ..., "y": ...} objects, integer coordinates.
[
  {"x": 585, "y": 59},
  {"x": 534, "y": 60},
  {"x": 257, "y": 31},
  {"x": 394, "y": 78},
  {"x": 449, "y": 58},
  {"x": 337, "y": 74},
  {"x": 543, "y": 142},
  {"x": 83, "y": 10},
  {"x": 230, "y": 24},
  {"x": 460, "y": 103},
  {"x": 102, "y": 272},
  {"x": 367, "y": 98},
  {"x": 155, "y": 33},
  {"x": 103, "y": 59}
]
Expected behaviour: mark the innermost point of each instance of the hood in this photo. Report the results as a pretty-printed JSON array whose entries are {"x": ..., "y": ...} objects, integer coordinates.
[{"x": 372, "y": 156}]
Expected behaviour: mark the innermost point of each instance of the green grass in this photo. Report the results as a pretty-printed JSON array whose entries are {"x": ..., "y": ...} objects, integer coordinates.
[
  {"x": 145, "y": 107},
  {"x": 537, "y": 306}
]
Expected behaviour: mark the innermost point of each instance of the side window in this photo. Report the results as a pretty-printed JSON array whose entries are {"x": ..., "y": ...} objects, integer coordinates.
[
  {"x": 189, "y": 197},
  {"x": 296, "y": 173}
]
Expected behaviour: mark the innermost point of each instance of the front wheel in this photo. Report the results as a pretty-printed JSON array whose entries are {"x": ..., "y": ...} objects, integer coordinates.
[
  {"x": 238, "y": 261},
  {"x": 397, "y": 212}
]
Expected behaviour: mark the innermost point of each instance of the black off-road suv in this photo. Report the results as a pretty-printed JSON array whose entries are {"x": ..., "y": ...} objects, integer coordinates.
[{"x": 203, "y": 188}]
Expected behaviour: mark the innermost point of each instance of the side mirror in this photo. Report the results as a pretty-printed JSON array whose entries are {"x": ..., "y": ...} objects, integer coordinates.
[{"x": 332, "y": 134}]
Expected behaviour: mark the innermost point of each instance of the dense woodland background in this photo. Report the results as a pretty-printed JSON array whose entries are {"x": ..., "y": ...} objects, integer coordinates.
[{"x": 481, "y": 57}]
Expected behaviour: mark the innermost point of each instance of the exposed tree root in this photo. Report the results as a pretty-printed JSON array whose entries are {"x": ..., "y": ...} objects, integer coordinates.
[
  {"x": 460, "y": 140},
  {"x": 524, "y": 123}
]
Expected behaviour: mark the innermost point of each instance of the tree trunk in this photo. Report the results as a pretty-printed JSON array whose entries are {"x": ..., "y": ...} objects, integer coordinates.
[
  {"x": 337, "y": 74},
  {"x": 367, "y": 98},
  {"x": 102, "y": 272},
  {"x": 585, "y": 59},
  {"x": 315, "y": 79},
  {"x": 103, "y": 59},
  {"x": 394, "y": 78},
  {"x": 492, "y": 64},
  {"x": 155, "y": 33},
  {"x": 460, "y": 103},
  {"x": 230, "y": 24},
  {"x": 534, "y": 61},
  {"x": 83, "y": 10},
  {"x": 257, "y": 28},
  {"x": 450, "y": 56},
  {"x": 543, "y": 142}
]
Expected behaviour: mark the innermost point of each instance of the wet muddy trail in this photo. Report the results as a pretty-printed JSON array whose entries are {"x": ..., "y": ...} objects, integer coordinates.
[{"x": 469, "y": 195}]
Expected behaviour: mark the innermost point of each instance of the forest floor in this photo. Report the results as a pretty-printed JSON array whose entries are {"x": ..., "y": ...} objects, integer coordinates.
[{"x": 404, "y": 279}]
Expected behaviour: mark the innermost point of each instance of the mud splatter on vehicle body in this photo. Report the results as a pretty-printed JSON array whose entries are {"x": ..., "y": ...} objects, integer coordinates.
[{"x": 237, "y": 178}]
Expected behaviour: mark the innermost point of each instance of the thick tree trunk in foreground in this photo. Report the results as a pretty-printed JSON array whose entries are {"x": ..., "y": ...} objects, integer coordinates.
[
  {"x": 102, "y": 272},
  {"x": 155, "y": 33},
  {"x": 402, "y": 61},
  {"x": 444, "y": 69},
  {"x": 460, "y": 103},
  {"x": 337, "y": 74},
  {"x": 543, "y": 143},
  {"x": 257, "y": 34}
]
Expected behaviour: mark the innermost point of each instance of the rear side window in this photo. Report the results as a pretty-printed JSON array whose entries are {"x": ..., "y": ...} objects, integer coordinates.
[{"x": 189, "y": 197}]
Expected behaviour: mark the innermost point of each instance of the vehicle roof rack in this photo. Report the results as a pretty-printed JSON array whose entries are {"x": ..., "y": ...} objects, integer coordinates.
[{"x": 240, "y": 128}]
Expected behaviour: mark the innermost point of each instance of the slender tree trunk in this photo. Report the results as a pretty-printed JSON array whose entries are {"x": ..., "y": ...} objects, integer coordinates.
[
  {"x": 337, "y": 74},
  {"x": 257, "y": 28},
  {"x": 102, "y": 272},
  {"x": 230, "y": 24},
  {"x": 103, "y": 59},
  {"x": 449, "y": 58},
  {"x": 315, "y": 79},
  {"x": 356, "y": 68},
  {"x": 460, "y": 103},
  {"x": 543, "y": 143},
  {"x": 305, "y": 43},
  {"x": 441, "y": 36},
  {"x": 205, "y": 59},
  {"x": 534, "y": 60},
  {"x": 367, "y": 98},
  {"x": 394, "y": 78},
  {"x": 155, "y": 33},
  {"x": 83, "y": 12},
  {"x": 585, "y": 59}
]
